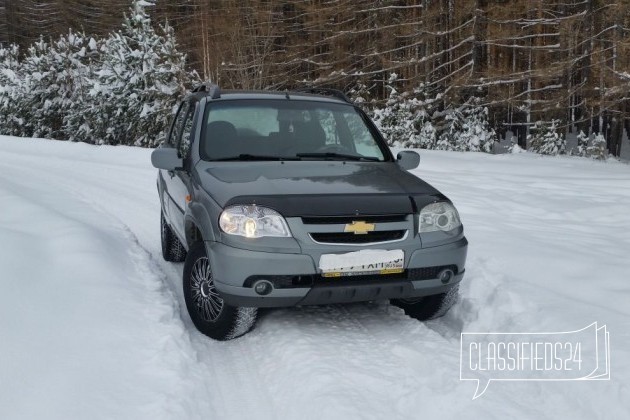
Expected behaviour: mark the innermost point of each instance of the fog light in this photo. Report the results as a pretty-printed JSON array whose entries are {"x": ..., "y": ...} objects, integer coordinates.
[
  {"x": 263, "y": 287},
  {"x": 446, "y": 275}
]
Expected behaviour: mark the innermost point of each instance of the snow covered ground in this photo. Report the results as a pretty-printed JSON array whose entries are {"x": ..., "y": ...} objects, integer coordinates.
[{"x": 92, "y": 323}]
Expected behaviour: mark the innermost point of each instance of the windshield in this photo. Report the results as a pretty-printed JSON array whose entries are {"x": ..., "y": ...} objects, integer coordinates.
[{"x": 288, "y": 129}]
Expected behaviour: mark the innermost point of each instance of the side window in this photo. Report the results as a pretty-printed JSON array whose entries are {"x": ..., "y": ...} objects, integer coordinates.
[
  {"x": 177, "y": 125},
  {"x": 186, "y": 138}
]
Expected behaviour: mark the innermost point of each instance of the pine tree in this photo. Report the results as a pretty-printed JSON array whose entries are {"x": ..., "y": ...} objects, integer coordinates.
[
  {"x": 407, "y": 119},
  {"x": 582, "y": 144},
  {"x": 396, "y": 119},
  {"x": 476, "y": 134},
  {"x": 140, "y": 79},
  {"x": 598, "y": 149},
  {"x": 546, "y": 140},
  {"x": 73, "y": 60},
  {"x": 42, "y": 90},
  {"x": 453, "y": 124},
  {"x": 10, "y": 91},
  {"x": 37, "y": 102},
  {"x": 359, "y": 93},
  {"x": 167, "y": 81},
  {"x": 428, "y": 135},
  {"x": 79, "y": 119}
]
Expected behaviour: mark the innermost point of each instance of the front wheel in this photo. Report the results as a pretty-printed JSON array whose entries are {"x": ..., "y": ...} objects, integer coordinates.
[
  {"x": 428, "y": 307},
  {"x": 208, "y": 311}
]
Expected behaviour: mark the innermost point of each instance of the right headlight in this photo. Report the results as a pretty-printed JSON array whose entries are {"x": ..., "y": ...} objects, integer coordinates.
[
  {"x": 438, "y": 216},
  {"x": 253, "y": 222}
]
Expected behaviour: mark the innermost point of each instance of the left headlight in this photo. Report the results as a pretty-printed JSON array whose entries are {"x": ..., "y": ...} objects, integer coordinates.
[
  {"x": 253, "y": 222},
  {"x": 438, "y": 216}
]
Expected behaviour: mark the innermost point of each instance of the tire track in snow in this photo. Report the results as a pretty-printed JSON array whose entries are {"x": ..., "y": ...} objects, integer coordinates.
[
  {"x": 220, "y": 398},
  {"x": 349, "y": 356},
  {"x": 222, "y": 367},
  {"x": 157, "y": 357},
  {"x": 233, "y": 376}
]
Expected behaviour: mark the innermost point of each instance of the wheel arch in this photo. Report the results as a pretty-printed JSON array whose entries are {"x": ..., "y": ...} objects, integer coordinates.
[
  {"x": 197, "y": 225},
  {"x": 193, "y": 233}
]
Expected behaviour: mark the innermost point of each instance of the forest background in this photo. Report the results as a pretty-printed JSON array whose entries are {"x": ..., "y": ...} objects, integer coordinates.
[{"x": 551, "y": 67}]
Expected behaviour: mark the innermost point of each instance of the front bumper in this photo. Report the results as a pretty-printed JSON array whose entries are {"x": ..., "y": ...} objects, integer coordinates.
[{"x": 233, "y": 266}]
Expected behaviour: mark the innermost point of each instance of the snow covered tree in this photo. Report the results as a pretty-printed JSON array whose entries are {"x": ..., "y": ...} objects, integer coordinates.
[
  {"x": 141, "y": 76},
  {"x": 359, "y": 93},
  {"x": 74, "y": 57},
  {"x": 451, "y": 129},
  {"x": 403, "y": 126},
  {"x": 35, "y": 103},
  {"x": 10, "y": 84},
  {"x": 82, "y": 57},
  {"x": 427, "y": 137},
  {"x": 396, "y": 119},
  {"x": 118, "y": 91},
  {"x": 53, "y": 90},
  {"x": 465, "y": 128},
  {"x": 407, "y": 119},
  {"x": 546, "y": 140},
  {"x": 476, "y": 134},
  {"x": 598, "y": 149},
  {"x": 582, "y": 144}
]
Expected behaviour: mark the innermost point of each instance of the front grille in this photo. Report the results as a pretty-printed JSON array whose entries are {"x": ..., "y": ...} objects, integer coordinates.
[
  {"x": 351, "y": 238},
  {"x": 343, "y": 220},
  {"x": 358, "y": 280}
]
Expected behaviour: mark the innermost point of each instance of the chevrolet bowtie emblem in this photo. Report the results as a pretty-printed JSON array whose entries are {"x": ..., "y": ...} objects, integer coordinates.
[{"x": 359, "y": 227}]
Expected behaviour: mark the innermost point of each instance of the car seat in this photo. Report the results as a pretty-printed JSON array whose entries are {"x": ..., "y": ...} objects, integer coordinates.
[
  {"x": 309, "y": 137},
  {"x": 221, "y": 140}
]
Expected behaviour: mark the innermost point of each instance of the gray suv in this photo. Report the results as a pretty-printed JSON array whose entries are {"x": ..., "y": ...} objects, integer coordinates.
[{"x": 278, "y": 199}]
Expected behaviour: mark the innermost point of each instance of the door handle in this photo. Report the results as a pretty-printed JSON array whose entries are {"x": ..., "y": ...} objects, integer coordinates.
[{"x": 171, "y": 174}]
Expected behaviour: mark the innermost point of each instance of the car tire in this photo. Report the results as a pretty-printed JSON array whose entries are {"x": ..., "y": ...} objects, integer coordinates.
[
  {"x": 210, "y": 314},
  {"x": 172, "y": 248},
  {"x": 428, "y": 307}
]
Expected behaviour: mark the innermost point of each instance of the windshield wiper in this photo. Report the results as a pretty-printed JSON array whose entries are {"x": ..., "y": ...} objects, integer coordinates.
[
  {"x": 247, "y": 156},
  {"x": 330, "y": 155}
]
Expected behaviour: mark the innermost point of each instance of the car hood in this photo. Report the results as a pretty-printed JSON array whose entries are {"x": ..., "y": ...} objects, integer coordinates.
[{"x": 314, "y": 187}]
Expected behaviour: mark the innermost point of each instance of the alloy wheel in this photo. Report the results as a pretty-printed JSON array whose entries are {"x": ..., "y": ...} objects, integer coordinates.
[{"x": 207, "y": 301}]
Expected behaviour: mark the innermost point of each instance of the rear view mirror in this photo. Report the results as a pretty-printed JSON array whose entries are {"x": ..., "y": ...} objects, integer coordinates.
[
  {"x": 408, "y": 160},
  {"x": 166, "y": 158}
]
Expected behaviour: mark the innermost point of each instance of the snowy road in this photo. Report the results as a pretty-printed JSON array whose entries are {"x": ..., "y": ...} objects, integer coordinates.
[{"x": 92, "y": 321}]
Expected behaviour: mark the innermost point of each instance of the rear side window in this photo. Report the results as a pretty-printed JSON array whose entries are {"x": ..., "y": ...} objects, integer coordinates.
[
  {"x": 186, "y": 137},
  {"x": 176, "y": 129}
]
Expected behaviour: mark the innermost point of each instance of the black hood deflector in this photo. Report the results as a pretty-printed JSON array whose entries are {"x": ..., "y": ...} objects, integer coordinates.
[{"x": 338, "y": 205}]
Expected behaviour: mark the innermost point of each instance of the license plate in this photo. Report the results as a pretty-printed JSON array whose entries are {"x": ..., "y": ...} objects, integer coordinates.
[{"x": 367, "y": 261}]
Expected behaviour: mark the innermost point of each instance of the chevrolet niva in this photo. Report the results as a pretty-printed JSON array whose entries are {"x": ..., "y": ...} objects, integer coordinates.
[{"x": 276, "y": 199}]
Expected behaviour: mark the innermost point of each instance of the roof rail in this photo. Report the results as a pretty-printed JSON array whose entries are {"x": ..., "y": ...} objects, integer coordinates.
[
  {"x": 213, "y": 90},
  {"x": 325, "y": 91}
]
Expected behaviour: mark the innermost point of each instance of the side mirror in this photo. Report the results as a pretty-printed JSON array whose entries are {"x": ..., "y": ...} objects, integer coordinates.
[
  {"x": 408, "y": 160},
  {"x": 166, "y": 158}
]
